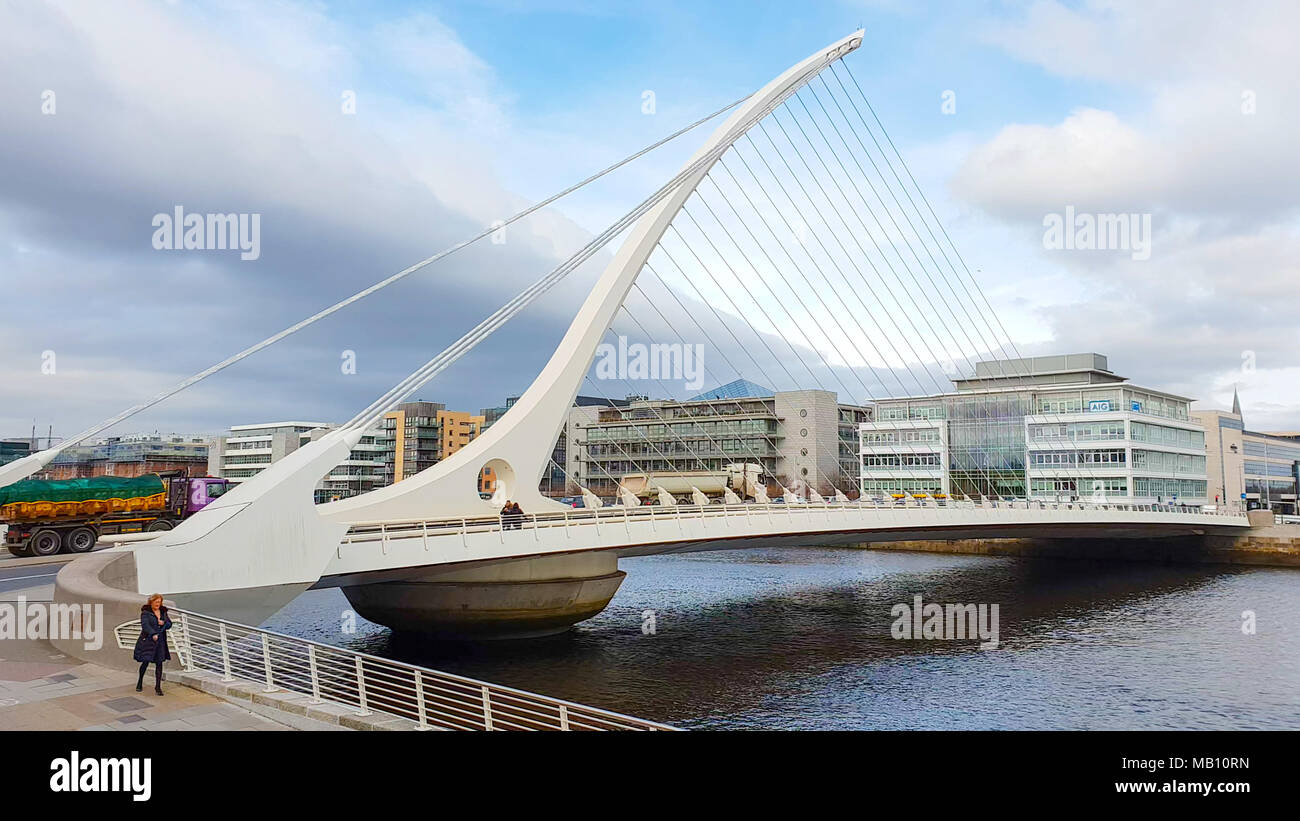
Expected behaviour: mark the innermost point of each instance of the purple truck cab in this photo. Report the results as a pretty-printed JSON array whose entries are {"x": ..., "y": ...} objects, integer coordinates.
[{"x": 203, "y": 491}]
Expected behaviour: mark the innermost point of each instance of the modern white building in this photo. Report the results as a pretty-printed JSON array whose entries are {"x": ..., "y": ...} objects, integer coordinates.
[{"x": 1051, "y": 427}]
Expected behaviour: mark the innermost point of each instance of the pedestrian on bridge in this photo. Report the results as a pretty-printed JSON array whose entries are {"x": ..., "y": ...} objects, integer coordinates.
[
  {"x": 516, "y": 515},
  {"x": 151, "y": 647}
]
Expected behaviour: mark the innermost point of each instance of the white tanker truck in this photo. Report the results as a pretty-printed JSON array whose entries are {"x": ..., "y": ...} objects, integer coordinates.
[{"x": 733, "y": 484}]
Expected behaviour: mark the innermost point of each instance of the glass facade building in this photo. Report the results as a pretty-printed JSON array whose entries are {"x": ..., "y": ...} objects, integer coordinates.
[{"x": 1047, "y": 427}]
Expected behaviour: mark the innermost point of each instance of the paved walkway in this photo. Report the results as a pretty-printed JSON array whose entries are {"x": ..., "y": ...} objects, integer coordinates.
[{"x": 42, "y": 689}]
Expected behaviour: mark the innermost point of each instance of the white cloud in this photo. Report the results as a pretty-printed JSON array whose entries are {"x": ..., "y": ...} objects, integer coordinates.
[
  {"x": 236, "y": 107},
  {"x": 1090, "y": 160},
  {"x": 1218, "y": 180}
]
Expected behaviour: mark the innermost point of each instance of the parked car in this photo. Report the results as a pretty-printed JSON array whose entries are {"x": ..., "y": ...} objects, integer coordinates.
[{"x": 573, "y": 501}]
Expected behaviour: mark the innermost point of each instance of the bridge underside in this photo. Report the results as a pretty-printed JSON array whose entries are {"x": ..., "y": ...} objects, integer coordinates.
[
  {"x": 547, "y": 592},
  {"x": 1074, "y": 530}
]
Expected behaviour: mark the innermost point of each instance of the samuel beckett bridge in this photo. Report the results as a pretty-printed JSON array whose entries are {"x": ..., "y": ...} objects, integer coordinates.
[{"x": 798, "y": 243}]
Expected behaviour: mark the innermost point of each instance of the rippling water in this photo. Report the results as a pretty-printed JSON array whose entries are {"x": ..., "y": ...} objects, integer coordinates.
[{"x": 799, "y": 638}]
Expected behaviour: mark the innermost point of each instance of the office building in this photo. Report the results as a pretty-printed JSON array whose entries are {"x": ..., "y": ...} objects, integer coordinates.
[
  {"x": 1050, "y": 427},
  {"x": 417, "y": 435},
  {"x": 803, "y": 440},
  {"x": 131, "y": 455},
  {"x": 1249, "y": 468}
]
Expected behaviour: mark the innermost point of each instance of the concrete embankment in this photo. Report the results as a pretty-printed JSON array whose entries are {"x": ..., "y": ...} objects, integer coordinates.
[
  {"x": 106, "y": 579},
  {"x": 1264, "y": 543}
]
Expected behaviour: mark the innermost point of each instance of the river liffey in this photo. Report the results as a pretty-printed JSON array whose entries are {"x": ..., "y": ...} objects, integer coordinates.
[{"x": 800, "y": 638}]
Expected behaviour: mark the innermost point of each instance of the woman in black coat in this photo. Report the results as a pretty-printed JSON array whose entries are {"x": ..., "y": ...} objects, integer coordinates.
[{"x": 151, "y": 647}]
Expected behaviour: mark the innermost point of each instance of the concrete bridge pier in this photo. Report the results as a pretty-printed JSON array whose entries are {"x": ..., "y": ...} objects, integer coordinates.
[{"x": 524, "y": 598}]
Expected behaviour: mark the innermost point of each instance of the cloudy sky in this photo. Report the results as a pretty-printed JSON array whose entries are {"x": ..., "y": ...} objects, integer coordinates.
[{"x": 467, "y": 112}]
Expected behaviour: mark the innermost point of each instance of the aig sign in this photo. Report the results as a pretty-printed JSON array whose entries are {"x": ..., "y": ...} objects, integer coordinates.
[{"x": 1098, "y": 405}]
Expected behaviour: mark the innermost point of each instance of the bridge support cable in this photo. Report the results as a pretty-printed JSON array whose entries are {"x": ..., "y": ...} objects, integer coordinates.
[
  {"x": 756, "y": 300},
  {"x": 740, "y": 313},
  {"x": 831, "y": 288},
  {"x": 987, "y": 314},
  {"x": 653, "y": 448},
  {"x": 703, "y": 464},
  {"x": 715, "y": 379},
  {"x": 794, "y": 291},
  {"x": 770, "y": 229},
  {"x": 981, "y": 340},
  {"x": 882, "y": 331},
  {"x": 775, "y": 299},
  {"x": 686, "y": 446},
  {"x": 835, "y": 482},
  {"x": 724, "y": 291},
  {"x": 878, "y": 243},
  {"x": 921, "y": 193},
  {"x": 947, "y": 319},
  {"x": 917, "y": 308},
  {"x": 883, "y": 284},
  {"x": 952, "y": 317},
  {"x": 992, "y": 334},
  {"x": 834, "y": 316},
  {"x": 39, "y": 460},
  {"x": 957, "y": 323},
  {"x": 988, "y": 343},
  {"x": 768, "y": 440},
  {"x": 541, "y": 286}
]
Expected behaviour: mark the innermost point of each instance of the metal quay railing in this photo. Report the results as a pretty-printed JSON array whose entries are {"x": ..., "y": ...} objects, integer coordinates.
[{"x": 370, "y": 684}]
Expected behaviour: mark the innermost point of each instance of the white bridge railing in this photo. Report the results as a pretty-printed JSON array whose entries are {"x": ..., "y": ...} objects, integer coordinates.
[
  {"x": 369, "y": 684},
  {"x": 541, "y": 523}
]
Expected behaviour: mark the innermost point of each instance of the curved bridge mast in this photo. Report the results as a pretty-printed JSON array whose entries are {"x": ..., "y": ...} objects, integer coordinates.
[
  {"x": 518, "y": 447},
  {"x": 266, "y": 541}
]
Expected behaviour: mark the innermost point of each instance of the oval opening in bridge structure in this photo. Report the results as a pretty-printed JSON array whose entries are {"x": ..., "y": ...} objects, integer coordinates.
[{"x": 498, "y": 475}]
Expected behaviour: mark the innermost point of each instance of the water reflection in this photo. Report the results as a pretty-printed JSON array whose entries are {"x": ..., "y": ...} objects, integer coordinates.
[{"x": 799, "y": 638}]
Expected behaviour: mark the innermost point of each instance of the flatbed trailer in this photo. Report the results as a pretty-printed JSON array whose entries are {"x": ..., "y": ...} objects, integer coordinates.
[{"x": 45, "y": 527}]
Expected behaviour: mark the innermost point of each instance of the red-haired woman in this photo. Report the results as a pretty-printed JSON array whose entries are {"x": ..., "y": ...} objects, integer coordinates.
[{"x": 151, "y": 647}]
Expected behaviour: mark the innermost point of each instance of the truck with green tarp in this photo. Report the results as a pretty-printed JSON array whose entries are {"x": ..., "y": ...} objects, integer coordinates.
[{"x": 49, "y": 516}]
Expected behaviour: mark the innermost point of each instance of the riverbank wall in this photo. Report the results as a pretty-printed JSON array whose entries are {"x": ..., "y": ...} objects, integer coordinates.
[{"x": 1264, "y": 544}]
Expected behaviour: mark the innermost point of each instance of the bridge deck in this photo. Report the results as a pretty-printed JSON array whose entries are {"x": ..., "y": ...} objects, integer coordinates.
[{"x": 394, "y": 549}]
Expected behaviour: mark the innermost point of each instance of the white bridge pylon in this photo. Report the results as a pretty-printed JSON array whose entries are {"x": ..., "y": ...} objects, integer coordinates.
[
  {"x": 267, "y": 533},
  {"x": 518, "y": 447}
]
